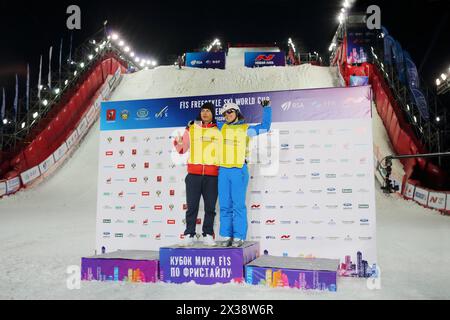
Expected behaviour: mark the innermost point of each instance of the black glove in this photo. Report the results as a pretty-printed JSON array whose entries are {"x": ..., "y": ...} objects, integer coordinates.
[
  {"x": 190, "y": 123},
  {"x": 265, "y": 103}
]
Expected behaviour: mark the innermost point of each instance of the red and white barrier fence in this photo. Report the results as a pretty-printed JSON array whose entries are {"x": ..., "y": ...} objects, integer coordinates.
[{"x": 32, "y": 175}]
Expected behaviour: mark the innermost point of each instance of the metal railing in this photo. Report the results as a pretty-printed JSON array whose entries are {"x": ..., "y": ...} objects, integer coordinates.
[{"x": 389, "y": 186}]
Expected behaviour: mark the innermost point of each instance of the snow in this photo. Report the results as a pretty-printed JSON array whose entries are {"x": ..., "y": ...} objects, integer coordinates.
[
  {"x": 168, "y": 81},
  {"x": 49, "y": 227}
]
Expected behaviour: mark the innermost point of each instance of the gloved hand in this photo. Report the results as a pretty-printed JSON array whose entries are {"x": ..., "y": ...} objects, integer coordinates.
[
  {"x": 190, "y": 123},
  {"x": 265, "y": 103}
]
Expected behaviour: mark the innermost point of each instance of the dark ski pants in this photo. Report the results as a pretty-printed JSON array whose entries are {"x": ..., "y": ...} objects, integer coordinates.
[{"x": 196, "y": 186}]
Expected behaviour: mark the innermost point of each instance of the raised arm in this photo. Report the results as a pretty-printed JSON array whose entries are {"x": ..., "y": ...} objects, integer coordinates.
[
  {"x": 264, "y": 126},
  {"x": 182, "y": 144}
]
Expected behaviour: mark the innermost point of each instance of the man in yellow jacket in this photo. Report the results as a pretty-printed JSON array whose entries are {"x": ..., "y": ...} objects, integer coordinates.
[{"x": 202, "y": 138}]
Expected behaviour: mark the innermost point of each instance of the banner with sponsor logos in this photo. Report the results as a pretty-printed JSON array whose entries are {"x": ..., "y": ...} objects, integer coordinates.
[
  {"x": 12, "y": 185},
  {"x": 206, "y": 60},
  {"x": 265, "y": 59},
  {"x": 311, "y": 191}
]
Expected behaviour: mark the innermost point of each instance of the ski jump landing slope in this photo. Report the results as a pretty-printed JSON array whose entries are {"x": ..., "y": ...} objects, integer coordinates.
[{"x": 46, "y": 229}]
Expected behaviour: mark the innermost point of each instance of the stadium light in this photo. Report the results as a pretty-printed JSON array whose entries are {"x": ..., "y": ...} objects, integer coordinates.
[
  {"x": 126, "y": 49},
  {"x": 90, "y": 57},
  {"x": 35, "y": 115},
  {"x": 45, "y": 102},
  {"x": 75, "y": 72},
  {"x": 415, "y": 119},
  {"x": 121, "y": 43},
  {"x": 291, "y": 44},
  {"x": 154, "y": 63},
  {"x": 443, "y": 76},
  {"x": 438, "y": 119},
  {"x": 132, "y": 54},
  {"x": 115, "y": 36},
  {"x": 57, "y": 90},
  {"x": 23, "y": 125},
  {"x": 82, "y": 65},
  {"x": 438, "y": 82},
  {"x": 5, "y": 121},
  {"x": 66, "y": 82}
]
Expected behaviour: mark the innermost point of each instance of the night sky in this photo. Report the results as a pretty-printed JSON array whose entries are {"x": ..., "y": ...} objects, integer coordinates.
[{"x": 163, "y": 29}]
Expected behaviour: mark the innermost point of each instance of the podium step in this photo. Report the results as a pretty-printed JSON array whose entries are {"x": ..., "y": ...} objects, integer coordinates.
[
  {"x": 122, "y": 265},
  {"x": 205, "y": 265},
  {"x": 300, "y": 273}
]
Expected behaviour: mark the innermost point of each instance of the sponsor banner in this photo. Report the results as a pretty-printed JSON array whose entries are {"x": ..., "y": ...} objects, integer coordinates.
[
  {"x": 73, "y": 138},
  {"x": 206, "y": 60},
  {"x": 179, "y": 265},
  {"x": 30, "y": 175},
  {"x": 437, "y": 200},
  {"x": 46, "y": 164},
  {"x": 288, "y": 106},
  {"x": 265, "y": 59},
  {"x": 2, "y": 188},
  {"x": 409, "y": 191},
  {"x": 421, "y": 196},
  {"x": 90, "y": 115},
  {"x": 356, "y": 81},
  {"x": 12, "y": 185},
  {"x": 60, "y": 152},
  {"x": 320, "y": 200},
  {"x": 82, "y": 127}
]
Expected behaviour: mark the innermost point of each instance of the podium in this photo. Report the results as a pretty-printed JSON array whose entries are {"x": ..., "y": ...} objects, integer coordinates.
[
  {"x": 300, "y": 273},
  {"x": 205, "y": 265},
  {"x": 122, "y": 265}
]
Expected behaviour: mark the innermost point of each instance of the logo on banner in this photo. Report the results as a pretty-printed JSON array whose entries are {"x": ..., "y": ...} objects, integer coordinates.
[{"x": 142, "y": 113}]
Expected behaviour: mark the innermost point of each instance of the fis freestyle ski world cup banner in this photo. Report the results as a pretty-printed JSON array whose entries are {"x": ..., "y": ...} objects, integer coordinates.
[
  {"x": 264, "y": 59},
  {"x": 311, "y": 191}
]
